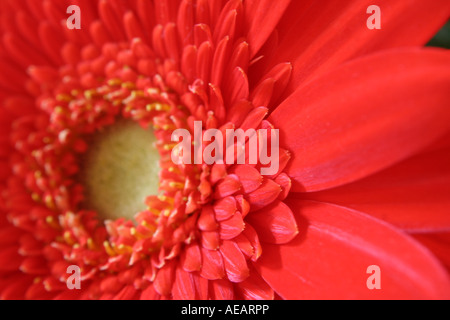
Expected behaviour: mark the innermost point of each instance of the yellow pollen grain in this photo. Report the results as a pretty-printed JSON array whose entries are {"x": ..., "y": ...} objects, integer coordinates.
[
  {"x": 148, "y": 226},
  {"x": 169, "y": 146},
  {"x": 166, "y": 199},
  {"x": 48, "y": 200},
  {"x": 117, "y": 102},
  {"x": 177, "y": 185},
  {"x": 91, "y": 244},
  {"x": 128, "y": 85},
  {"x": 59, "y": 109},
  {"x": 166, "y": 213},
  {"x": 154, "y": 211},
  {"x": 122, "y": 249},
  {"x": 89, "y": 94},
  {"x": 52, "y": 222},
  {"x": 137, "y": 94},
  {"x": 169, "y": 127},
  {"x": 153, "y": 91},
  {"x": 114, "y": 82},
  {"x": 68, "y": 238},
  {"x": 63, "y": 97}
]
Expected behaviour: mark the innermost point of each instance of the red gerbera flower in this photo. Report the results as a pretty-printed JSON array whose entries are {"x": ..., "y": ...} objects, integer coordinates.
[{"x": 363, "y": 175}]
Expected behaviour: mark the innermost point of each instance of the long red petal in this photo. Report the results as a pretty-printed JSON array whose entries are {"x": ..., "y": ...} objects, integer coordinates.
[
  {"x": 316, "y": 37},
  {"x": 438, "y": 243},
  {"x": 254, "y": 288},
  {"x": 260, "y": 24},
  {"x": 364, "y": 116},
  {"x": 331, "y": 257},
  {"x": 413, "y": 195}
]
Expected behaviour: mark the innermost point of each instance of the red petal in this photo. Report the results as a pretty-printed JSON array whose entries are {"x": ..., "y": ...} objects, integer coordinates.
[
  {"x": 227, "y": 21},
  {"x": 206, "y": 220},
  {"x": 238, "y": 112},
  {"x": 244, "y": 245},
  {"x": 242, "y": 205},
  {"x": 204, "y": 58},
  {"x": 11, "y": 255},
  {"x": 212, "y": 268},
  {"x": 218, "y": 172},
  {"x": 234, "y": 261},
  {"x": 150, "y": 294},
  {"x": 281, "y": 75},
  {"x": 238, "y": 88},
  {"x": 227, "y": 187},
  {"x": 188, "y": 62},
  {"x": 164, "y": 278},
  {"x": 16, "y": 287},
  {"x": 184, "y": 287},
  {"x": 254, "y": 118},
  {"x": 191, "y": 259},
  {"x": 264, "y": 195},
  {"x": 37, "y": 291},
  {"x": 232, "y": 227},
  {"x": 331, "y": 258},
  {"x": 34, "y": 265},
  {"x": 127, "y": 293},
  {"x": 201, "y": 287},
  {"x": 314, "y": 45},
  {"x": 185, "y": 21},
  {"x": 225, "y": 208},
  {"x": 166, "y": 11},
  {"x": 221, "y": 290},
  {"x": 413, "y": 195},
  {"x": 211, "y": 240},
  {"x": 285, "y": 183},
  {"x": 274, "y": 224},
  {"x": 262, "y": 94},
  {"x": 251, "y": 234},
  {"x": 342, "y": 117},
  {"x": 248, "y": 242},
  {"x": 260, "y": 24},
  {"x": 438, "y": 243},
  {"x": 221, "y": 56},
  {"x": 9, "y": 235},
  {"x": 254, "y": 288}
]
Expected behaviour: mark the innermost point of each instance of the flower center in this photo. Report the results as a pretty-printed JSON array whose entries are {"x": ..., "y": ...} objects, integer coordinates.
[{"x": 120, "y": 170}]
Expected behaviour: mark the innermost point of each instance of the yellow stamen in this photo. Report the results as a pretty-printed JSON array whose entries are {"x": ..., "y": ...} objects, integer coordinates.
[{"x": 109, "y": 250}]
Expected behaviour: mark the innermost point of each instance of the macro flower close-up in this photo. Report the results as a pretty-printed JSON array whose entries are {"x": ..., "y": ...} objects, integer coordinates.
[{"x": 115, "y": 183}]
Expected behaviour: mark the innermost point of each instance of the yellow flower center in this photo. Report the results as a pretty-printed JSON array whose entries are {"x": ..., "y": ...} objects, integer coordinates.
[{"x": 120, "y": 170}]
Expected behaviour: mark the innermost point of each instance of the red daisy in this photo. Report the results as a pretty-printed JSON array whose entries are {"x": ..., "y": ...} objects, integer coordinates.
[{"x": 363, "y": 178}]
